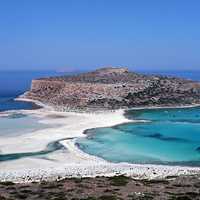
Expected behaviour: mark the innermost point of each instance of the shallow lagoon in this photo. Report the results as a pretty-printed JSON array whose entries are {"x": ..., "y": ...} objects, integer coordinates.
[
  {"x": 171, "y": 136},
  {"x": 15, "y": 124}
]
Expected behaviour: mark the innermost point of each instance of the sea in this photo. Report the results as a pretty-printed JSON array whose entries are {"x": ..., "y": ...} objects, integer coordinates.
[
  {"x": 169, "y": 136},
  {"x": 15, "y": 83}
]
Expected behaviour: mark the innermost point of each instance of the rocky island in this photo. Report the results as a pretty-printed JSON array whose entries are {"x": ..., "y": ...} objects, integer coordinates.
[{"x": 113, "y": 88}]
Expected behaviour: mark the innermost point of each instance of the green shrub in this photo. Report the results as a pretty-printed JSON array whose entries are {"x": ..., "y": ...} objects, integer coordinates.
[
  {"x": 119, "y": 180},
  {"x": 6, "y": 183},
  {"x": 107, "y": 197}
]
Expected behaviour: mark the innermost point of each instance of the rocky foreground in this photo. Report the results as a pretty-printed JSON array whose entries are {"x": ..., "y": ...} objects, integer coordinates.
[
  {"x": 113, "y": 88},
  {"x": 105, "y": 188}
]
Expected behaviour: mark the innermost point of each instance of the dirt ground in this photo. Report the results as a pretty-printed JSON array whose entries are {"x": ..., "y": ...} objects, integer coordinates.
[{"x": 104, "y": 188}]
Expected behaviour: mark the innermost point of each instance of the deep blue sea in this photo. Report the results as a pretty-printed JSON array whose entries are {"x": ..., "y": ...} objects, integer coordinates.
[{"x": 14, "y": 83}]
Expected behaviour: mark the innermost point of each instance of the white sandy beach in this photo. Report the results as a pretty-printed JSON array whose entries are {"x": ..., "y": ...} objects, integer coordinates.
[{"x": 70, "y": 162}]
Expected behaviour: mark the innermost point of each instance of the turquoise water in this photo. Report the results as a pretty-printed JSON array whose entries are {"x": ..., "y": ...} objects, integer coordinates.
[
  {"x": 17, "y": 124},
  {"x": 172, "y": 136},
  {"x": 51, "y": 147}
]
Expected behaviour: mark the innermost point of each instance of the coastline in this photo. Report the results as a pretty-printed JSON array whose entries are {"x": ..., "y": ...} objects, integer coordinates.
[
  {"x": 40, "y": 104},
  {"x": 72, "y": 162},
  {"x": 125, "y": 109}
]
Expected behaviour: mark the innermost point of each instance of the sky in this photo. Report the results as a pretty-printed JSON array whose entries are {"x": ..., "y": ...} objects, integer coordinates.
[{"x": 67, "y": 35}]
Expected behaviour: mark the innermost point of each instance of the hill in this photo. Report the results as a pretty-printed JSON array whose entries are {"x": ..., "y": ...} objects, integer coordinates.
[{"x": 113, "y": 88}]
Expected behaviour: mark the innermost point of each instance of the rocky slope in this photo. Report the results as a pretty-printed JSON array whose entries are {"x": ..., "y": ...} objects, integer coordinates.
[{"x": 113, "y": 88}]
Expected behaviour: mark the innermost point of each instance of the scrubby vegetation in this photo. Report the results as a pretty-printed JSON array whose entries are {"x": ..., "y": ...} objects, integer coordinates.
[
  {"x": 119, "y": 180},
  {"x": 105, "y": 188}
]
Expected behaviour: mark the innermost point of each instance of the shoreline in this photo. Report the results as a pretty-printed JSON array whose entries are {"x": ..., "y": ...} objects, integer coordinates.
[
  {"x": 39, "y": 103},
  {"x": 72, "y": 162}
]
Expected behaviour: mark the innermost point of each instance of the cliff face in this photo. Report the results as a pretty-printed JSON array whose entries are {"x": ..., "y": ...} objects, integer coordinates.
[{"x": 113, "y": 88}]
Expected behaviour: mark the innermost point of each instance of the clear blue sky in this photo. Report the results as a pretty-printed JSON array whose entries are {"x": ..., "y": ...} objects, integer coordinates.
[{"x": 83, "y": 34}]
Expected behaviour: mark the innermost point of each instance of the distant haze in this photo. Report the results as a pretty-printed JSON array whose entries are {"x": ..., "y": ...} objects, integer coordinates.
[{"x": 71, "y": 35}]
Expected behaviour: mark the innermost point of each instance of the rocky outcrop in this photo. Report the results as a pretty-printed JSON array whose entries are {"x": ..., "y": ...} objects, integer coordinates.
[{"x": 113, "y": 88}]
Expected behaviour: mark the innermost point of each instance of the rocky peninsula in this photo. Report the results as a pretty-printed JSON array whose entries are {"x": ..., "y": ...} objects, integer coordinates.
[{"x": 113, "y": 88}]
